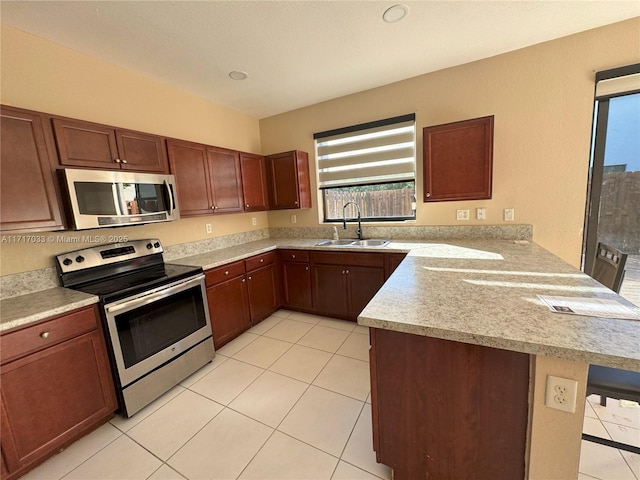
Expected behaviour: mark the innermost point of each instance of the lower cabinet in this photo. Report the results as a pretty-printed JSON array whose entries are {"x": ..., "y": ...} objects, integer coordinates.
[
  {"x": 343, "y": 283},
  {"x": 56, "y": 387},
  {"x": 296, "y": 280},
  {"x": 241, "y": 294}
]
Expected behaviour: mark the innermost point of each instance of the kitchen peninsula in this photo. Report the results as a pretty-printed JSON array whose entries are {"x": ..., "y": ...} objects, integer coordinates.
[{"x": 474, "y": 301}]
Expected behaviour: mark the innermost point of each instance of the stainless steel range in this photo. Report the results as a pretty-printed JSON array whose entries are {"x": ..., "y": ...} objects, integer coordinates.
[{"x": 155, "y": 315}]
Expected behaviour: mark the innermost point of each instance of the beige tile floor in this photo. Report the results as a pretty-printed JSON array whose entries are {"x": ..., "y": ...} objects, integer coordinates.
[{"x": 288, "y": 399}]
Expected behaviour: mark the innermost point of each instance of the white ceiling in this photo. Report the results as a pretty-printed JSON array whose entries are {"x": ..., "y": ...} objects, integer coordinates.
[{"x": 296, "y": 52}]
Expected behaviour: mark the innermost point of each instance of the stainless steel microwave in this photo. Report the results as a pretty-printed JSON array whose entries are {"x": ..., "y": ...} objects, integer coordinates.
[{"x": 100, "y": 198}]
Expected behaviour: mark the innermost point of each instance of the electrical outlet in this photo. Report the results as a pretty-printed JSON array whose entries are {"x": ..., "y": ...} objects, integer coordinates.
[
  {"x": 509, "y": 214},
  {"x": 481, "y": 213},
  {"x": 254, "y": 221},
  {"x": 561, "y": 393},
  {"x": 462, "y": 214},
  {"x": 208, "y": 227},
  {"x": 293, "y": 219}
]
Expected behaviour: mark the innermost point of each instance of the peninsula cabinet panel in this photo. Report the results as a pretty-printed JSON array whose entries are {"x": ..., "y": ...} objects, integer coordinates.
[
  {"x": 254, "y": 182},
  {"x": 189, "y": 164},
  {"x": 225, "y": 179},
  {"x": 438, "y": 409},
  {"x": 458, "y": 160},
  {"x": 28, "y": 198},
  {"x": 92, "y": 145},
  {"x": 364, "y": 283},
  {"x": 52, "y": 397},
  {"x": 289, "y": 182}
]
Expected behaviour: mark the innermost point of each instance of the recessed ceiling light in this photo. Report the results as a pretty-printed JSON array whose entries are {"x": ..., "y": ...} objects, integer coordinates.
[
  {"x": 237, "y": 75},
  {"x": 395, "y": 13}
]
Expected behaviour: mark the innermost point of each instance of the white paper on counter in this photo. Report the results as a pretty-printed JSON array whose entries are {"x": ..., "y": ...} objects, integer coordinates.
[{"x": 593, "y": 307}]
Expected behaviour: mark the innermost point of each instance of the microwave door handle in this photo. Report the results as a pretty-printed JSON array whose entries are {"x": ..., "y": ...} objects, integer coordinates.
[
  {"x": 117, "y": 196},
  {"x": 169, "y": 196}
]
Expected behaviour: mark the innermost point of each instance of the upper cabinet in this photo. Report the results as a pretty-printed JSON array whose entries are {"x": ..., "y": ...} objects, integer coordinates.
[
  {"x": 254, "y": 182},
  {"x": 288, "y": 180},
  {"x": 458, "y": 160},
  {"x": 28, "y": 198},
  {"x": 86, "y": 144},
  {"x": 207, "y": 178}
]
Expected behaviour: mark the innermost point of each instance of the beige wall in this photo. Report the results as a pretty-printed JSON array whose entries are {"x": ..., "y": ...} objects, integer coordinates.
[
  {"x": 542, "y": 99},
  {"x": 40, "y": 75}
]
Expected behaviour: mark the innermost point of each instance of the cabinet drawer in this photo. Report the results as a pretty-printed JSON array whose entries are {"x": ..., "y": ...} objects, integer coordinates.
[
  {"x": 355, "y": 258},
  {"x": 36, "y": 337},
  {"x": 294, "y": 255},
  {"x": 260, "y": 261},
  {"x": 225, "y": 272}
]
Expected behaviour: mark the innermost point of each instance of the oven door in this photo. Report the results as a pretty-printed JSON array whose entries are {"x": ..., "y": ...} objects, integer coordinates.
[{"x": 150, "y": 329}]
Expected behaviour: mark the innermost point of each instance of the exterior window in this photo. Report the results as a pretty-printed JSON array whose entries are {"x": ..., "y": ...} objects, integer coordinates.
[{"x": 372, "y": 165}]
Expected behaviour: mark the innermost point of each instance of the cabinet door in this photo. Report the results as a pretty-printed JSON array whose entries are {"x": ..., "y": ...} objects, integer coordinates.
[
  {"x": 226, "y": 181},
  {"x": 289, "y": 183},
  {"x": 51, "y": 397},
  {"x": 391, "y": 262},
  {"x": 263, "y": 293},
  {"x": 330, "y": 290},
  {"x": 296, "y": 285},
  {"x": 254, "y": 182},
  {"x": 364, "y": 283},
  {"x": 85, "y": 144},
  {"x": 188, "y": 163},
  {"x": 458, "y": 160},
  {"x": 141, "y": 152},
  {"x": 228, "y": 310},
  {"x": 28, "y": 198}
]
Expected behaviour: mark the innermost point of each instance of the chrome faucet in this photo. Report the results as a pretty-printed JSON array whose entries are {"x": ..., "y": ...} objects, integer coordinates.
[{"x": 344, "y": 219}]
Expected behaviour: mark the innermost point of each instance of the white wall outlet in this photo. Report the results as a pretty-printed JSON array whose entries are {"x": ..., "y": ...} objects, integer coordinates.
[
  {"x": 561, "y": 393},
  {"x": 254, "y": 221},
  {"x": 462, "y": 214},
  {"x": 509, "y": 214},
  {"x": 481, "y": 213},
  {"x": 208, "y": 227},
  {"x": 293, "y": 219}
]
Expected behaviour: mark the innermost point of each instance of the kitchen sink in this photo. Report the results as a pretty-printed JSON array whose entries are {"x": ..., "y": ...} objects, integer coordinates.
[{"x": 353, "y": 243}]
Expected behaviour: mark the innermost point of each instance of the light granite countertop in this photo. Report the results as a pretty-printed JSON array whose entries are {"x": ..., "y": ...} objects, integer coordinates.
[
  {"x": 485, "y": 293},
  {"x": 474, "y": 291},
  {"x": 25, "y": 309}
]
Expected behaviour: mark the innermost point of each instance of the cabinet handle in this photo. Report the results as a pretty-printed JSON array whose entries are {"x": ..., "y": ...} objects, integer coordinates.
[
  {"x": 249, "y": 278},
  {"x": 427, "y": 194},
  {"x": 117, "y": 160},
  {"x": 296, "y": 202},
  {"x": 247, "y": 205},
  {"x": 213, "y": 207},
  {"x": 45, "y": 334},
  {"x": 262, "y": 260},
  {"x": 226, "y": 272},
  {"x": 347, "y": 272},
  {"x": 244, "y": 280},
  {"x": 343, "y": 272},
  {"x": 306, "y": 268},
  {"x": 293, "y": 256},
  {"x": 124, "y": 161}
]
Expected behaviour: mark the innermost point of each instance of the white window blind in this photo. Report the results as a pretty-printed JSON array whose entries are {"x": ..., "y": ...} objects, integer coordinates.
[{"x": 375, "y": 152}]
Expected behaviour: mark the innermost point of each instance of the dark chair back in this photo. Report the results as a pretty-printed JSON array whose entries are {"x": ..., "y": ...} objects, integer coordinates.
[{"x": 608, "y": 267}]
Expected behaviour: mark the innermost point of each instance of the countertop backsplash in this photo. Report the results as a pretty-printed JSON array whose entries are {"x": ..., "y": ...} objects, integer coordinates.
[{"x": 36, "y": 280}]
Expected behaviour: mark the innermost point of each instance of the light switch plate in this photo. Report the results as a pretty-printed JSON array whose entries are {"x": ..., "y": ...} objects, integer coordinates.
[{"x": 509, "y": 214}]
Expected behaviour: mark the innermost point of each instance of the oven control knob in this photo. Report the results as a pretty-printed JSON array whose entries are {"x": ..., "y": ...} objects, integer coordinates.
[
  {"x": 149, "y": 246},
  {"x": 157, "y": 244},
  {"x": 67, "y": 261},
  {"x": 79, "y": 259}
]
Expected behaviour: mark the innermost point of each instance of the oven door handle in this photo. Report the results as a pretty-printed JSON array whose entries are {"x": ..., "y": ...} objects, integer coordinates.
[{"x": 153, "y": 296}]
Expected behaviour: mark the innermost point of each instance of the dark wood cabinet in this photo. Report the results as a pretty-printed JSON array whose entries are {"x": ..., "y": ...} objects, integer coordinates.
[
  {"x": 343, "y": 283},
  {"x": 288, "y": 180},
  {"x": 391, "y": 262},
  {"x": 207, "y": 178},
  {"x": 225, "y": 180},
  {"x": 296, "y": 280},
  {"x": 56, "y": 387},
  {"x": 92, "y": 145},
  {"x": 435, "y": 408},
  {"x": 240, "y": 295},
  {"x": 29, "y": 199},
  {"x": 262, "y": 286},
  {"x": 254, "y": 182},
  {"x": 458, "y": 160}
]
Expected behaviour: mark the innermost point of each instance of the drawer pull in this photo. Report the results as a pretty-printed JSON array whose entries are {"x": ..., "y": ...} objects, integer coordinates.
[
  {"x": 226, "y": 272},
  {"x": 45, "y": 334},
  {"x": 262, "y": 260},
  {"x": 293, "y": 256}
]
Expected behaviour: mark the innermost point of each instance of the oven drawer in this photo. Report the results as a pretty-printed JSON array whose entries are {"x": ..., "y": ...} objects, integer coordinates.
[
  {"x": 220, "y": 274},
  {"x": 36, "y": 337},
  {"x": 260, "y": 261}
]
